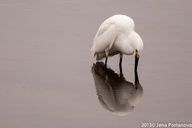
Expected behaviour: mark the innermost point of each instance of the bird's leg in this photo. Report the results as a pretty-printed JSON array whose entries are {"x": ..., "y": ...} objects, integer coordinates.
[
  {"x": 106, "y": 62},
  {"x": 120, "y": 63}
]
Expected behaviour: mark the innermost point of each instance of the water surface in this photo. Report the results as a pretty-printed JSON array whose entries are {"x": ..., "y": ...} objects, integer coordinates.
[{"x": 46, "y": 63}]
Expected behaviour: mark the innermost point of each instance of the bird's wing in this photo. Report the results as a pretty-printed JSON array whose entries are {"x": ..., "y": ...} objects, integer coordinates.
[{"x": 104, "y": 38}]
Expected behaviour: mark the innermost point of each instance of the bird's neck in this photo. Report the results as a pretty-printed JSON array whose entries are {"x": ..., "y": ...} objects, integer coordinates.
[{"x": 133, "y": 41}]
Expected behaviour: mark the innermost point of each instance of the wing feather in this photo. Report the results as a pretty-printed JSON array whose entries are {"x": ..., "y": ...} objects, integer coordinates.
[{"x": 104, "y": 38}]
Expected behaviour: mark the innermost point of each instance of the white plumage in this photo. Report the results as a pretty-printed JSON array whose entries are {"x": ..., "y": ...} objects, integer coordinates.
[{"x": 116, "y": 35}]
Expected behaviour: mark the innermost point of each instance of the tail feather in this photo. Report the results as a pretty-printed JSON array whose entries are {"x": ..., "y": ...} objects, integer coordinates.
[
  {"x": 93, "y": 52},
  {"x": 100, "y": 56}
]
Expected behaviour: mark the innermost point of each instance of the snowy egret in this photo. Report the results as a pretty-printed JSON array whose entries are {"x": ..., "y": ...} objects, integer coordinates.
[{"x": 117, "y": 35}]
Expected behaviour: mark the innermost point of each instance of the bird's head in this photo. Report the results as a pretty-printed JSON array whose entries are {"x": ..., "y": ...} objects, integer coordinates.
[
  {"x": 137, "y": 53},
  {"x": 137, "y": 44}
]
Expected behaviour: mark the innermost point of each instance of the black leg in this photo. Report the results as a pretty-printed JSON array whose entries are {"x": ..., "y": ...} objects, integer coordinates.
[
  {"x": 106, "y": 62},
  {"x": 120, "y": 65}
]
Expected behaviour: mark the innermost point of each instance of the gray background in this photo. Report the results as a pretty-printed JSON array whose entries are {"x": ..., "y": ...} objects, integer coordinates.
[{"x": 45, "y": 63}]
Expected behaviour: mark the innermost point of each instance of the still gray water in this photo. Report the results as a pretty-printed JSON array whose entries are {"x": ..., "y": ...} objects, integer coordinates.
[{"x": 49, "y": 79}]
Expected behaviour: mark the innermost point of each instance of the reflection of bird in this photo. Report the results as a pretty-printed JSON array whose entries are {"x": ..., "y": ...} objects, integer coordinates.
[
  {"x": 116, "y": 35},
  {"x": 114, "y": 92}
]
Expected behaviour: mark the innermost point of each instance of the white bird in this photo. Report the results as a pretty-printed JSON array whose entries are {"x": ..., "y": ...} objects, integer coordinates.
[{"x": 117, "y": 35}]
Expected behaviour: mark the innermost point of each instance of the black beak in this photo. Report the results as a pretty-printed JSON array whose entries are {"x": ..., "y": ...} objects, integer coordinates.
[
  {"x": 136, "y": 80},
  {"x": 136, "y": 62}
]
